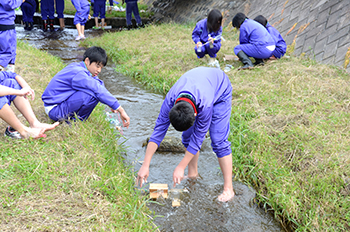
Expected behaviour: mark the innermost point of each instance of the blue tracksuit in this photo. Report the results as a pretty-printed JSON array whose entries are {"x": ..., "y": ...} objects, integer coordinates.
[
  {"x": 201, "y": 34},
  {"x": 74, "y": 90},
  {"x": 47, "y": 9},
  {"x": 60, "y": 8},
  {"x": 254, "y": 40},
  {"x": 82, "y": 14},
  {"x": 281, "y": 46},
  {"x": 212, "y": 92},
  {"x": 8, "y": 40},
  {"x": 8, "y": 79},
  {"x": 28, "y": 9},
  {"x": 132, "y": 8},
  {"x": 100, "y": 8}
]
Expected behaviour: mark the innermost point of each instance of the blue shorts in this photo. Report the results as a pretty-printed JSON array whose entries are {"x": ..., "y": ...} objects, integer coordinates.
[{"x": 11, "y": 83}]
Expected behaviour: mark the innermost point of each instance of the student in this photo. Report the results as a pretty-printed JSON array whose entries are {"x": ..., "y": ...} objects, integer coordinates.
[
  {"x": 81, "y": 16},
  {"x": 99, "y": 9},
  {"x": 28, "y": 9},
  {"x": 76, "y": 90},
  {"x": 48, "y": 13},
  {"x": 255, "y": 41},
  {"x": 132, "y": 8},
  {"x": 207, "y": 36},
  {"x": 8, "y": 38},
  {"x": 59, "y": 11},
  {"x": 281, "y": 46},
  {"x": 199, "y": 101},
  {"x": 13, "y": 88}
]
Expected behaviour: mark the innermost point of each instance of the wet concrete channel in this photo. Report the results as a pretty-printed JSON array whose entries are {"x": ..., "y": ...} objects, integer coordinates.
[{"x": 199, "y": 210}]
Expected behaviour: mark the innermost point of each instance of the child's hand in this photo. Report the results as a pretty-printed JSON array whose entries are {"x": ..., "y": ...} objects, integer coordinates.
[
  {"x": 89, "y": 17},
  {"x": 26, "y": 91},
  {"x": 199, "y": 44},
  {"x": 178, "y": 175}
]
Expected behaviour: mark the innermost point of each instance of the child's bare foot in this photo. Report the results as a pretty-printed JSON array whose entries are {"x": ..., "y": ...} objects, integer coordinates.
[
  {"x": 33, "y": 133},
  {"x": 45, "y": 126},
  {"x": 226, "y": 195}
]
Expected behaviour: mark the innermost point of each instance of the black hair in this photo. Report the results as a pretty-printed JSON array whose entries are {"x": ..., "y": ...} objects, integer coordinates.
[
  {"x": 214, "y": 20},
  {"x": 261, "y": 19},
  {"x": 238, "y": 20},
  {"x": 96, "y": 54},
  {"x": 181, "y": 116}
]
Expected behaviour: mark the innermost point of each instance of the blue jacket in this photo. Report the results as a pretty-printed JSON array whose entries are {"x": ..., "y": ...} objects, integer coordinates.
[
  {"x": 7, "y": 75},
  {"x": 206, "y": 85},
  {"x": 253, "y": 32},
  {"x": 76, "y": 77},
  {"x": 79, "y": 4},
  {"x": 7, "y": 11},
  {"x": 200, "y": 33},
  {"x": 281, "y": 46}
]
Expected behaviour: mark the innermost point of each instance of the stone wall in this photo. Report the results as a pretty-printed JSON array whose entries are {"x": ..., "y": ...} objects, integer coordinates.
[{"x": 318, "y": 28}]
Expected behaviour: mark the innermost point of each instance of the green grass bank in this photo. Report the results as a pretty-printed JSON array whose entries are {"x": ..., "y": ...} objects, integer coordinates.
[
  {"x": 289, "y": 124},
  {"x": 72, "y": 180}
]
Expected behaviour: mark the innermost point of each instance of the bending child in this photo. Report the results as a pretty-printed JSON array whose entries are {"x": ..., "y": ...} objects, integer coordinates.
[
  {"x": 199, "y": 101},
  {"x": 207, "y": 36},
  {"x": 255, "y": 41},
  {"x": 13, "y": 88},
  {"x": 76, "y": 90},
  {"x": 281, "y": 46}
]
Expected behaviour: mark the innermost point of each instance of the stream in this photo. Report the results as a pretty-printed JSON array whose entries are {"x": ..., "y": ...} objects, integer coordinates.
[{"x": 199, "y": 210}]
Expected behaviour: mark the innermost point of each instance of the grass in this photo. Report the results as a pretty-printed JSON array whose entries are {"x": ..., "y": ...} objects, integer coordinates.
[
  {"x": 289, "y": 124},
  {"x": 143, "y": 10},
  {"x": 73, "y": 180}
]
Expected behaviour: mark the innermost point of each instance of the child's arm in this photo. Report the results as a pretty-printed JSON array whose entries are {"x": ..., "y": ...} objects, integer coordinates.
[
  {"x": 4, "y": 91},
  {"x": 28, "y": 91}
]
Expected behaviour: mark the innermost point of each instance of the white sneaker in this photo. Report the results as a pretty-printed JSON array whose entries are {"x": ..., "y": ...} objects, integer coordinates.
[
  {"x": 214, "y": 62},
  {"x": 77, "y": 38}
]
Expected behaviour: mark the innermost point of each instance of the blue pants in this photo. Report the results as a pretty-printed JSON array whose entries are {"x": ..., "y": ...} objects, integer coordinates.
[
  {"x": 278, "y": 52},
  {"x": 8, "y": 45},
  {"x": 82, "y": 16},
  {"x": 205, "y": 49},
  {"x": 252, "y": 50},
  {"x": 100, "y": 9},
  {"x": 47, "y": 9},
  {"x": 219, "y": 125},
  {"x": 60, "y": 8},
  {"x": 132, "y": 8},
  {"x": 28, "y": 11},
  {"x": 12, "y": 83},
  {"x": 80, "y": 103}
]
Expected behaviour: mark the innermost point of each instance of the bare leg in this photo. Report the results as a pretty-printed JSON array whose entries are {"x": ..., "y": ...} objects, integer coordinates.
[
  {"x": 96, "y": 21},
  {"x": 9, "y": 117},
  {"x": 82, "y": 28},
  {"x": 102, "y": 23},
  {"x": 25, "y": 108},
  {"x": 226, "y": 168},
  {"x": 78, "y": 26},
  {"x": 193, "y": 167}
]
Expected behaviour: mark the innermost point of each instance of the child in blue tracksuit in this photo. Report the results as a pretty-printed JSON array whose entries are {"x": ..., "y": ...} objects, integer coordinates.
[
  {"x": 199, "y": 101},
  {"x": 81, "y": 16},
  {"x": 255, "y": 41},
  {"x": 99, "y": 9},
  {"x": 207, "y": 36},
  {"x": 28, "y": 9},
  {"x": 281, "y": 46},
  {"x": 76, "y": 90},
  {"x": 132, "y": 8},
  {"x": 13, "y": 88},
  {"x": 48, "y": 13},
  {"x": 8, "y": 38}
]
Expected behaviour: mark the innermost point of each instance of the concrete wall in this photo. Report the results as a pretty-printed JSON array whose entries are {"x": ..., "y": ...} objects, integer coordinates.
[{"x": 318, "y": 28}]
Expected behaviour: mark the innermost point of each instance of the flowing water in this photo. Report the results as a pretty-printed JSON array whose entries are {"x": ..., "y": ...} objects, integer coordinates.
[{"x": 199, "y": 209}]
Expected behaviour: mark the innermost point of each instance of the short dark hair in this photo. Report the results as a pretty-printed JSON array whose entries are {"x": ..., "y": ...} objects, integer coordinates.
[
  {"x": 96, "y": 54},
  {"x": 261, "y": 19},
  {"x": 238, "y": 20},
  {"x": 182, "y": 116},
  {"x": 214, "y": 20}
]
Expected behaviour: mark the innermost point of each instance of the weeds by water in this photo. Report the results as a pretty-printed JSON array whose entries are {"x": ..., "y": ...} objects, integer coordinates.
[
  {"x": 289, "y": 124},
  {"x": 73, "y": 180}
]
